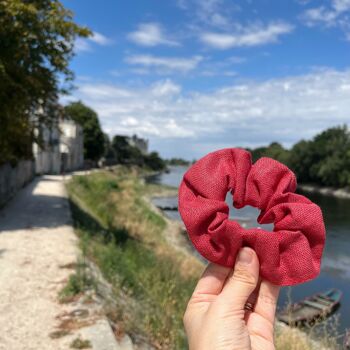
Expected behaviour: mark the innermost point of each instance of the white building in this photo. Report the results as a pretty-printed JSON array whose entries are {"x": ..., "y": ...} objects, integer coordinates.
[
  {"x": 62, "y": 148},
  {"x": 71, "y": 145},
  {"x": 47, "y": 156}
]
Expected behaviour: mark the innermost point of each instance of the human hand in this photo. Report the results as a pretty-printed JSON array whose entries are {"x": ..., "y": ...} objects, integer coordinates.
[{"x": 217, "y": 318}]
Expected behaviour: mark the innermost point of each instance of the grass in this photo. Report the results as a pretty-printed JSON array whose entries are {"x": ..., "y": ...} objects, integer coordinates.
[
  {"x": 126, "y": 239},
  {"x": 320, "y": 336},
  {"x": 78, "y": 282}
]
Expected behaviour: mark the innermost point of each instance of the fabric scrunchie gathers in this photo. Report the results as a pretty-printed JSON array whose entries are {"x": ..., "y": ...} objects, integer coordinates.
[{"x": 289, "y": 255}]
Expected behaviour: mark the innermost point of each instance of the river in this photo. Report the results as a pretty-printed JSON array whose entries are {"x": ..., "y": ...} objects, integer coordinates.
[{"x": 335, "y": 270}]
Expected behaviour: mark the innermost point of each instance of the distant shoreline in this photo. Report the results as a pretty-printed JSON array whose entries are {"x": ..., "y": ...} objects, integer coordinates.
[
  {"x": 343, "y": 193},
  {"x": 327, "y": 191}
]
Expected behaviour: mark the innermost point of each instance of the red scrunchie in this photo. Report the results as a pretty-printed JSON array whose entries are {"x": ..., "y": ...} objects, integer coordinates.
[{"x": 289, "y": 255}]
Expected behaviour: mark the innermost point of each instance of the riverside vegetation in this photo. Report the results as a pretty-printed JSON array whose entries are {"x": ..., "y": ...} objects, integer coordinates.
[
  {"x": 152, "y": 279},
  {"x": 323, "y": 161},
  {"x": 125, "y": 238}
]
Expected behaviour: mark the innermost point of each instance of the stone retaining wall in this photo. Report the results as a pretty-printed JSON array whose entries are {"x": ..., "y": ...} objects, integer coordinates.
[{"x": 14, "y": 178}]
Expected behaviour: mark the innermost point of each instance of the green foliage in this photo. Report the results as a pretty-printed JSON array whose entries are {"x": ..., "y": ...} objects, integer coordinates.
[
  {"x": 125, "y": 153},
  {"x": 36, "y": 44},
  {"x": 332, "y": 150},
  {"x": 94, "y": 138},
  {"x": 324, "y": 160},
  {"x": 109, "y": 151},
  {"x": 154, "y": 283},
  {"x": 78, "y": 283},
  {"x": 274, "y": 150},
  {"x": 154, "y": 162},
  {"x": 178, "y": 161},
  {"x": 301, "y": 160}
]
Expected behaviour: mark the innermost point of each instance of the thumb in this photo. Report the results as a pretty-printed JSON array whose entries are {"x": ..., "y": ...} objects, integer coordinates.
[{"x": 243, "y": 281}]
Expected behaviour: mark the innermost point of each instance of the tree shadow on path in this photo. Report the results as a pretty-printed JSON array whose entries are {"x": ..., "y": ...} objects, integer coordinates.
[{"x": 41, "y": 204}]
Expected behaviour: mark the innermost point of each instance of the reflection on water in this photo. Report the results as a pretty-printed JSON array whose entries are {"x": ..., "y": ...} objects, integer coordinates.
[
  {"x": 335, "y": 271},
  {"x": 171, "y": 178}
]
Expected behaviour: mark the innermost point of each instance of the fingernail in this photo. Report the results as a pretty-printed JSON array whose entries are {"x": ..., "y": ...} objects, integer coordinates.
[{"x": 245, "y": 256}]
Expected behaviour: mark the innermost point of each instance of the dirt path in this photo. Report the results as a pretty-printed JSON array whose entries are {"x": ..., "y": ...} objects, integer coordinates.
[{"x": 36, "y": 241}]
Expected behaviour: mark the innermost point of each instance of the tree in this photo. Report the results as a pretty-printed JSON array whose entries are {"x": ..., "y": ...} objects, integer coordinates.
[
  {"x": 94, "y": 138},
  {"x": 324, "y": 160},
  {"x": 275, "y": 150},
  {"x": 332, "y": 157},
  {"x": 126, "y": 153},
  {"x": 120, "y": 146},
  {"x": 108, "y": 149},
  {"x": 36, "y": 44},
  {"x": 154, "y": 161},
  {"x": 301, "y": 160},
  {"x": 178, "y": 161}
]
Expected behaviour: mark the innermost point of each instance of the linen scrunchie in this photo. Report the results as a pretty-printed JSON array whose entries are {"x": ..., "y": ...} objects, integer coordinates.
[{"x": 289, "y": 255}]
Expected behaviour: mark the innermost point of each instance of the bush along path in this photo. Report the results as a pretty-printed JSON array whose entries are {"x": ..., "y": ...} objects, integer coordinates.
[{"x": 47, "y": 299}]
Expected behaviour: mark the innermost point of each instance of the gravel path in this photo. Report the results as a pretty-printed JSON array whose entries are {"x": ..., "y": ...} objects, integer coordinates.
[{"x": 36, "y": 241}]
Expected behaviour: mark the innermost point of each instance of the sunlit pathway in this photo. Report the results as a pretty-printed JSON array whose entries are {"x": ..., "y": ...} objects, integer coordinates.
[{"x": 36, "y": 240}]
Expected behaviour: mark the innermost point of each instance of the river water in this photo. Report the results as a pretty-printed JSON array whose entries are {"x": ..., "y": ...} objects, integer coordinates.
[{"x": 335, "y": 270}]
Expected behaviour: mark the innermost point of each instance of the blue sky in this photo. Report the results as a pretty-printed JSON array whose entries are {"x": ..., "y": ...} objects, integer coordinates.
[{"x": 193, "y": 76}]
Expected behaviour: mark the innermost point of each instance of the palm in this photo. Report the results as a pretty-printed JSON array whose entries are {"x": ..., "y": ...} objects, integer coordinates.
[
  {"x": 257, "y": 326},
  {"x": 218, "y": 315}
]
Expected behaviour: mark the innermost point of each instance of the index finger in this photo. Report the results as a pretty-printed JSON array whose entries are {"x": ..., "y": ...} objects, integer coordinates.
[{"x": 212, "y": 280}]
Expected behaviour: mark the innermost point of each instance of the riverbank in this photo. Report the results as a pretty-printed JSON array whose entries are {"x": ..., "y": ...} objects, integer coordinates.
[
  {"x": 150, "y": 276},
  {"x": 327, "y": 191},
  {"x": 311, "y": 188},
  {"x": 144, "y": 257}
]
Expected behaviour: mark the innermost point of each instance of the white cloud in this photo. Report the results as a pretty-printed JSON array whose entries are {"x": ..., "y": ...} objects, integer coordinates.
[
  {"x": 86, "y": 45},
  {"x": 216, "y": 73},
  {"x": 100, "y": 39},
  {"x": 82, "y": 45},
  {"x": 341, "y": 5},
  {"x": 251, "y": 36},
  {"x": 148, "y": 65},
  {"x": 319, "y": 14},
  {"x": 213, "y": 13},
  {"x": 150, "y": 34},
  {"x": 225, "y": 67},
  {"x": 336, "y": 14},
  {"x": 165, "y": 88},
  {"x": 246, "y": 114},
  {"x": 165, "y": 64}
]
